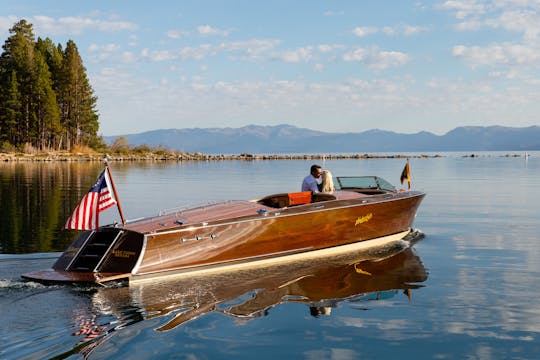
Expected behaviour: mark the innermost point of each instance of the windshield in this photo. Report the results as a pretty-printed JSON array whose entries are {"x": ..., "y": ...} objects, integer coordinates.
[{"x": 363, "y": 182}]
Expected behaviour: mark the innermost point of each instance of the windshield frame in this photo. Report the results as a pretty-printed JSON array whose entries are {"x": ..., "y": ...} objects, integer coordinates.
[{"x": 363, "y": 182}]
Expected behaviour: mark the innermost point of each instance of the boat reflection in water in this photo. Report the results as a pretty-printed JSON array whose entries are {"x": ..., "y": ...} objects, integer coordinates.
[{"x": 322, "y": 283}]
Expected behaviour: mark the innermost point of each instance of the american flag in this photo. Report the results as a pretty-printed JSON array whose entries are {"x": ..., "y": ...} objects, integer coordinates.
[{"x": 99, "y": 197}]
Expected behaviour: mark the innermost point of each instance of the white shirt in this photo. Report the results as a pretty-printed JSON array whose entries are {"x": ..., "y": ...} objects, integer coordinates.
[{"x": 310, "y": 184}]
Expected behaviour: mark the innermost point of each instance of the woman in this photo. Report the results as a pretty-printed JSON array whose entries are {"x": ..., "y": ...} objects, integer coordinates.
[{"x": 327, "y": 184}]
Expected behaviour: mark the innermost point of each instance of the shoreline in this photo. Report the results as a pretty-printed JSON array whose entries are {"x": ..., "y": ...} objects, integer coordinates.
[
  {"x": 46, "y": 157},
  {"x": 80, "y": 157}
]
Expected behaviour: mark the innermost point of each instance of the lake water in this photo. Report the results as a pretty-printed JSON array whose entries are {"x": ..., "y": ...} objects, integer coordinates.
[{"x": 469, "y": 289}]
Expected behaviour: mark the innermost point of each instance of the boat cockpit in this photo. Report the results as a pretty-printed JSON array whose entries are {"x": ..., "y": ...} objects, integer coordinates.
[{"x": 346, "y": 187}]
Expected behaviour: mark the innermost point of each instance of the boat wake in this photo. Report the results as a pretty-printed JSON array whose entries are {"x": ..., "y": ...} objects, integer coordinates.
[{"x": 7, "y": 284}]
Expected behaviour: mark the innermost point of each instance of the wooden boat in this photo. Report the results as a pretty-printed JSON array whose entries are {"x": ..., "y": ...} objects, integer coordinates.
[{"x": 239, "y": 233}]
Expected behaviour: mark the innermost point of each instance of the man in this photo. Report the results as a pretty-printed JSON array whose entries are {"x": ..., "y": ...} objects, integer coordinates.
[{"x": 310, "y": 182}]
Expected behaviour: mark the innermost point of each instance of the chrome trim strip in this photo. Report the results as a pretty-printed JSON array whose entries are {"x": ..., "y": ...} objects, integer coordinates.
[{"x": 141, "y": 256}]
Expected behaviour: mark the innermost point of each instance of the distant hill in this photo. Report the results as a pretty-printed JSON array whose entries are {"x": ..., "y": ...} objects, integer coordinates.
[{"x": 290, "y": 139}]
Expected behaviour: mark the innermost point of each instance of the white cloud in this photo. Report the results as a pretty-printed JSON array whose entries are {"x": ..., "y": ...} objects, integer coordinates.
[
  {"x": 501, "y": 54},
  {"x": 252, "y": 50},
  {"x": 105, "y": 48},
  {"x": 516, "y": 59},
  {"x": 207, "y": 30},
  {"x": 509, "y": 75},
  {"x": 176, "y": 34},
  {"x": 334, "y": 13},
  {"x": 359, "y": 54},
  {"x": 295, "y": 56},
  {"x": 257, "y": 50},
  {"x": 183, "y": 101},
  {"x": 326, "y": 48},
  {"x": 413, "y": 30},
  {"x": 128, "y": 57},
  {"x": 264, "y": 100},
  {"x": 512, "y": 15},
  {"x": 7, "y": 22},
  {"x": 469, "y": 25},
  {"x": 522, "y": 21},
  {"x": 77, "y": 25},
  {"x": 362, "y": 31},
  {"x": 249, "y": 50},
  {"x": 377, "y": 59},
  {"x": 406, "y": 30},
  {"x": 463, "y": 8},
  {"x": 251, "y": 46},
  {"x": 525, "y": 21},
  {"x": 70, "y": 25},
  {"x": 397, "y": 30},
  {"x": 190, "y": 53},
  {"x": 202, "y": 30}
]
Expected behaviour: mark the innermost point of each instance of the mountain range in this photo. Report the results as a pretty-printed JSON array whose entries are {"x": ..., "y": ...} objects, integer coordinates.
[{"x": 256, "y": 139}]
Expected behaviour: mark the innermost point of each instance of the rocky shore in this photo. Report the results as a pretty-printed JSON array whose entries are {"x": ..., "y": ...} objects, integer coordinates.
[
  {"x": 171, "y": 156},
  {"x": 64, "y": 156}
]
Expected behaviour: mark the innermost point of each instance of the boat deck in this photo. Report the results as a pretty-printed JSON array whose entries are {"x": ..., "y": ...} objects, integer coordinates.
[
  {"x": 216, "y": 212},
  {"x": 205, "y": 213},
  {"x": 347, "y": 195}
]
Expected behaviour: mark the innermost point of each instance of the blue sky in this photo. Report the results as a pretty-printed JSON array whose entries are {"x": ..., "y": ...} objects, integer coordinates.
[{"x": 337, "y": 66}]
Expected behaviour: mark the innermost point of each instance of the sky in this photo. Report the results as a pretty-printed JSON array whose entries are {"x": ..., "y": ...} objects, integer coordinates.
[{"x": 335, "y": 66}]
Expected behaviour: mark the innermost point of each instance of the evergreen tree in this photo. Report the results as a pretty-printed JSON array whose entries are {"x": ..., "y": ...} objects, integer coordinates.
[
  {"x": 53, "y": 55},
  {"x": 47, "y": 125},
  {"x": 45, "y": 96},
  {"x": 77, "y": 101},
  {"x": 10, "y": 111},
  {"x": 18, "y": 59}
]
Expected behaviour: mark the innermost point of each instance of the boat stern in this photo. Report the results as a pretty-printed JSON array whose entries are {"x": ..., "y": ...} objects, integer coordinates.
[{"x": 99, "y": 256}]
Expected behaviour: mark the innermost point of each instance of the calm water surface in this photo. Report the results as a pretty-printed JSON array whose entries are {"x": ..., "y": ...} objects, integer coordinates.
[{"x": 469, "y": 289}]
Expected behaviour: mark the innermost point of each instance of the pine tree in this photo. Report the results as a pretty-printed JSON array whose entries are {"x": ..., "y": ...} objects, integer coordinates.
[
  {"x": 18, "y": 59},
  {"x": 10, "y": 111},
  {"x": 77, "y": 101},
  {"x": 47, "y": 125},
  {"x": 53, "y": 55},
  {"x": 45, "y": 95}
]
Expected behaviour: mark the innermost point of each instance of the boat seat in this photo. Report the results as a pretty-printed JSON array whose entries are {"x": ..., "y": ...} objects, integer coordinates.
[
  {"x": 317, "y": 197},
  {"x": 295, "y": 198},
  {"x": 299, "y": 198},
  {"x": 275, "y": 200}
]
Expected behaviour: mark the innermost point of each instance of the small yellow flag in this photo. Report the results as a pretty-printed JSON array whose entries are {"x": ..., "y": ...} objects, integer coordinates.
[{"x": 406, "y": 174}]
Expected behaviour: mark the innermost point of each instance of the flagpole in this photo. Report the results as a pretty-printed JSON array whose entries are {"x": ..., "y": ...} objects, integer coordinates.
[{"x": 115, "y": 193}]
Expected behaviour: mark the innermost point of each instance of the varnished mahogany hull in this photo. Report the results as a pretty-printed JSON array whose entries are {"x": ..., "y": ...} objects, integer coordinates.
[{"x": 236, "y": 233}]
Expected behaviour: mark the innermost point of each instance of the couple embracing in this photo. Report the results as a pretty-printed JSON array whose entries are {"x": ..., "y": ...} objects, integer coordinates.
[{"x": 318, "y": 180}]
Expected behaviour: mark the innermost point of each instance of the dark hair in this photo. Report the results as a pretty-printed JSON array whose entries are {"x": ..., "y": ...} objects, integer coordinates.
[{"x": 314, "y": 168}]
